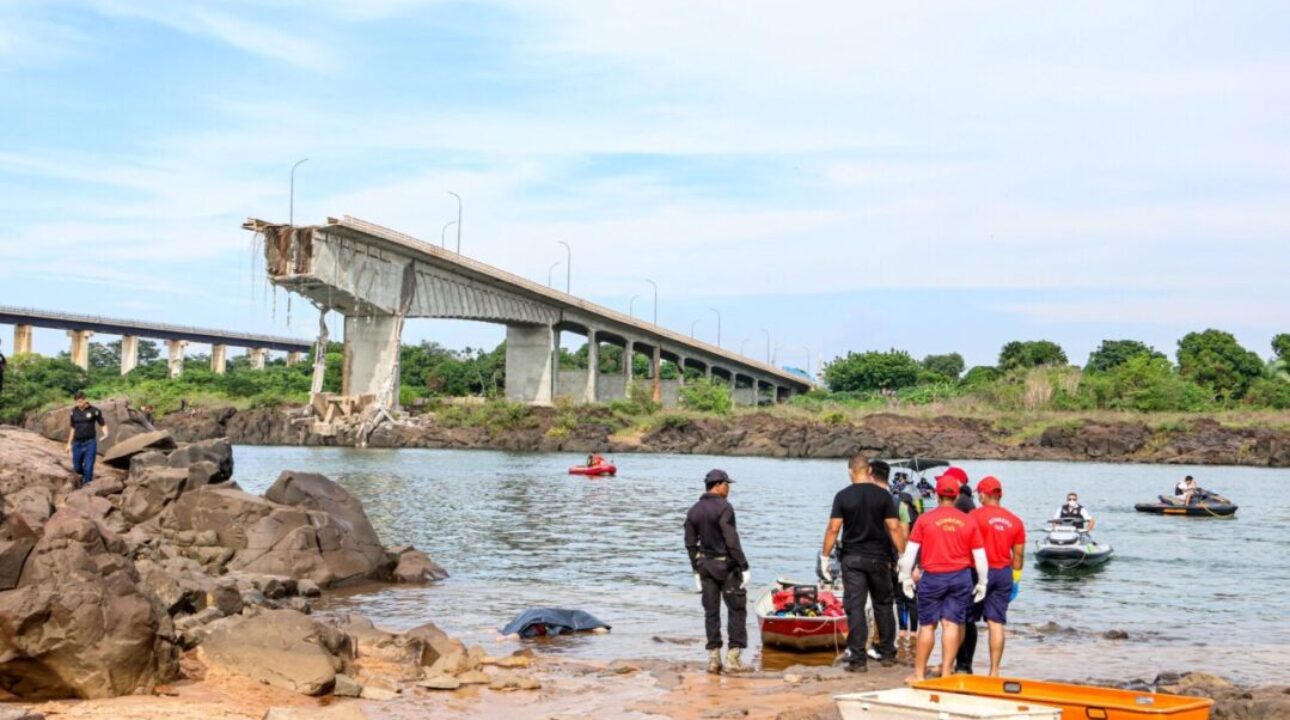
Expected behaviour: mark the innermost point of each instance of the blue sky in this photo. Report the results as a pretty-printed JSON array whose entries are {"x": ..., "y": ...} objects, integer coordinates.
[{"x": 844, "y": 175}]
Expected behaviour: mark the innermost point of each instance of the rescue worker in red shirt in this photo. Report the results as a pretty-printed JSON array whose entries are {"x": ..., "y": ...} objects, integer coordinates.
[
  {"x": 1005, "y": 552},
  {"x": 947, "y": 544}
]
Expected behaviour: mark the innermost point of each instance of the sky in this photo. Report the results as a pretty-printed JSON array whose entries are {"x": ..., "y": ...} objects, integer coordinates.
[{"x": 832, "y": 176}]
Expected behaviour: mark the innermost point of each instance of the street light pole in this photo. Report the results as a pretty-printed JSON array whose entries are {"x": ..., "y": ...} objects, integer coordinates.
[
  {"x": 767, "y": 345},
  {"x": 443, "y": 240},
  {"x": 291, "y": 212},
  {"x": 458, "y": 220},
  {"x": 631, "y": 303},
  {"x": 651, "y": 282},
  {"x": 550, "y": 270},
  {"x": 808, "y": 359},
  {"x": 742, "y": 344},
  {"x": 692, "y": 325},
  {"x": 568, "y": 267},
  {"x": 718, "y": 312}
]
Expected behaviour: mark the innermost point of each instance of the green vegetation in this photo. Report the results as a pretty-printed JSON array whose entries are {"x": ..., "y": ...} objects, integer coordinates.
[
  {"x": 1030, "y": 353},
  {"x": 703, "y": 395},
  {"x": 872, "y": 371}
]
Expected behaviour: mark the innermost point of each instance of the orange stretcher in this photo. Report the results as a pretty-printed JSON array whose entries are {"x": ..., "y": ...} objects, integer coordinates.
[{"x": 1077, "y": 702}]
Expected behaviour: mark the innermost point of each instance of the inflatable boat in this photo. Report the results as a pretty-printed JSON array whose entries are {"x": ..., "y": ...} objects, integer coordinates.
[
  {"x": 1208, "y": 505},
  {"x": 802, "y": 617},
  {"x": 594, "y": 470},
  {"x": 1067, "y": 547}
]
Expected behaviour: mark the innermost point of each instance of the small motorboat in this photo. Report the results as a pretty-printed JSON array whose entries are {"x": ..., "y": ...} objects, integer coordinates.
[
  {"x": 1067, "y": 547},
  {"x": 594, "y": 470},
  {"x": 802, "y": 617},
  {"x": 1203, "y": 504}
]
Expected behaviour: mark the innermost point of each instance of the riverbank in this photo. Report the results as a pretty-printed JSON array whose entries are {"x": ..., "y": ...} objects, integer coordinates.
[
  {"x": 1253, "y": 439},
  {"x": 621, "y": 689}
]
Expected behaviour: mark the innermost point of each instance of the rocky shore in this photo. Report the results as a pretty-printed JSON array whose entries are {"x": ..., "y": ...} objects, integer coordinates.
[{"x": 1202, "y": 441}]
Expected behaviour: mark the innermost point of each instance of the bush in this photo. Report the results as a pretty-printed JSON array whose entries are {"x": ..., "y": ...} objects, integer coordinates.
[
  {"x": 1269, "y": 393},
  {"x": 1030, "y": 353},
  {"x": 948, "y": 366},
  {"x": 872, "y": 371},
  {"x": 980, "y": 375},
  {"x": 1216, "y": 361},
  {"x": 31, "y": 382},
  {"x": 703, "y": 395},
  {"x": 1149, "y": 384},
  {"x": 1114, "y": 353}
]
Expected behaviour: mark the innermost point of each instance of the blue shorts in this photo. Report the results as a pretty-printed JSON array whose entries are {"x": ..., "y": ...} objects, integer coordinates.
[
  {"x": 998, "y": 588},
  {"x": 944, "y": 596}
]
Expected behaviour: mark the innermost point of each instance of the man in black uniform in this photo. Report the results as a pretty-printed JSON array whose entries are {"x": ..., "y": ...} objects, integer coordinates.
[
  {"x": 83, "y": 439},
  {"x": 869, "y": 523},
  {"x": 718, "y": 560}
]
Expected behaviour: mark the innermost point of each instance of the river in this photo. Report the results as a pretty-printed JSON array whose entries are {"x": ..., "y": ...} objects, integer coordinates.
[{"x": 516, "y": 531}]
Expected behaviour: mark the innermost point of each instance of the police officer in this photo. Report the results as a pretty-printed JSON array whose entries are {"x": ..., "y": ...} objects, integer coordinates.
[
  {"x": 719, "y": 564},
  {"x": 83, "y": 438}
]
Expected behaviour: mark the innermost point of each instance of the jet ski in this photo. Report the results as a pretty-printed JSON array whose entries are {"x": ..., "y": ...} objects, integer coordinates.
[
  {"x": 1067, "y": 547},
  {"x": 1203, "y": 504}
]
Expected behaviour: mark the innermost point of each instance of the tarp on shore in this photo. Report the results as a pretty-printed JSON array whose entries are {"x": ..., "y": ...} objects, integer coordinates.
[{"x": 536, "y": 622}]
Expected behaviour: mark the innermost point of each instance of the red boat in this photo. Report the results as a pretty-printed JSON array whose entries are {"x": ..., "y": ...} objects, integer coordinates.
[
  {"x": 594, "y": 470},
  {"x": 825, "y": 631}
]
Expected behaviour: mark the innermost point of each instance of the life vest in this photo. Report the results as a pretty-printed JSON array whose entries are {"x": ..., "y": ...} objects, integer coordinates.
[
  {"x": 911, "y": 507},
  {"x": 1072, "y": 513}
]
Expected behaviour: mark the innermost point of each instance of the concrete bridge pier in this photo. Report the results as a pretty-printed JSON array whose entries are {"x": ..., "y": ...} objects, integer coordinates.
[
  {"x": 80, "y": 351},
  {"x": 258, "y": 356},
  {"x": 655, "y": 363},
  {"x": 21, "y": 339},
  {"x": 129, "y": 353},
  {"x": 593, "y": 367},
  {"x": 219, "y": 358},
  {"x": 532, "y": 354},
  {"x": 629, "y": 352},
  {"x": 175, "y": 356},
  {"x": 372, "y": 358},
  {"x": 293, "y": 357}
]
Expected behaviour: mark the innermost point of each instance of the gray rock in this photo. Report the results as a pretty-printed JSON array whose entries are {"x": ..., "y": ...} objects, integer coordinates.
[
  {"x": 346, "y": 686},
  {"x": 79, "y": 624},
  {"x": 279, "y": 647},
  {"x": 436, "y": 644},
  {"x": 216, "y": 452},
  {"x": 350, "y": 545},
  {"x": 308, "y": 588},
  {"x": 415, "y": 566},
  {"x": 119, "y": 451},
  {"x": 150, "y": 490}
]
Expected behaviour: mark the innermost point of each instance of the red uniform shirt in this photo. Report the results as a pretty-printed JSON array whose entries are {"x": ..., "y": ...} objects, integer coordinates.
[
  {"x": 946, "y": 538},
  {"x": 1001, "y": 530}
]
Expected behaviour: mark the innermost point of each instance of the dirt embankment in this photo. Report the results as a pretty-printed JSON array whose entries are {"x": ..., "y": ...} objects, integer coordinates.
[{"x": 1202, "y": 441}]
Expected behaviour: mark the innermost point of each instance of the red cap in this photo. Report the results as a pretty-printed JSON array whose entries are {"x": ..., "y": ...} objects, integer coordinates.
[
  {"x": 955, "y": 472},
  {"x": 989, "y": 485},
  {"x": 947, "y": 486}
]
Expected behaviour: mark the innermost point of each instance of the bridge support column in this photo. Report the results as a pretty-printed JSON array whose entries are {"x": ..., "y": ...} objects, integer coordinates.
[
  {"x": 707, "y": 373},
  {"x": 21, "y": 339},
  {"x": 655, "y": 363},
  {"x": 629, "y": 350},
  {"x": 293, "y": 357},
  {"x": 129, "y": 353},
  {"x": 80, "y": 351},
  {"x": 680, "y": 371},
  {"x": 371, "y": 357},
  {"x": 530, "y": 364},
  {"x": 258, "y": 356},
  {"x": 175, "y": 353},
  {"x": 593, "y": 367},
  {"x": 219, "y": 359}
]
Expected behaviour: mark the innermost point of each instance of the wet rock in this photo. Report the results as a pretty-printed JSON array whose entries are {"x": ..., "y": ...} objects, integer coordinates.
[
  {"x": 372, "y": 642},
  {"x": 279, "y": 647},
  {"x": 1115, "y": 635},
  {"x": 346, "y": 686},
  {"x": 415, "y": 566},
  {"x": 376, "y": 692},
  {"x": 675, "y": 640},
  {"x": 308, "y": 588},
  {"x": 725, "y": 713},
  {"x": 436, "y": 643},
  {"x": 439, "y": 682},
  {"x": 515, "y": 682},
  {"x": 474, "y": 677},
  {"x": 510, "y": 661},
  {"x": 79, "y": 624},
  {"x": 349, "y": 544}
]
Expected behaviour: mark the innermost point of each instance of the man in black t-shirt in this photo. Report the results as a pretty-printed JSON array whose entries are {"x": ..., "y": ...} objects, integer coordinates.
[
  {"x": 869, "y": 523},
  {"x": 83, "y": 438}
]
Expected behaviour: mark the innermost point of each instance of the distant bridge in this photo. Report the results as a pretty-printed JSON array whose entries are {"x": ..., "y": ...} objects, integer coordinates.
[
  {"x": 81, "y": 327},
  {"x": 377, "y": 277}
]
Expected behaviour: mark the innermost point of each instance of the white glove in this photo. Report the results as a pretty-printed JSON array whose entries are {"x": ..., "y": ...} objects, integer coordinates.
[
  {"x": 907, "y": 584},
  {"x": 978, "y": 592},
  {"x": 698, "y": 585},
  {"x": 743, "y": 585},
  {"x": 822, "y": 569}
]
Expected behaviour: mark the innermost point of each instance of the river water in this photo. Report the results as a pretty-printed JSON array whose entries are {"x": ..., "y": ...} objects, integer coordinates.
[{"x": 516, "y": 531}]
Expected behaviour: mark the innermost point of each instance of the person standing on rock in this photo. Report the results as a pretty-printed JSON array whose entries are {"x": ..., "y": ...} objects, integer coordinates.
[
  {"x": 866, "y": 517},
  {"x": 946, "y": 543},
  {"x": 1005, "y": 552},
  {"x": 83, "y": 438},
  {"x": 719, "y": 563}
]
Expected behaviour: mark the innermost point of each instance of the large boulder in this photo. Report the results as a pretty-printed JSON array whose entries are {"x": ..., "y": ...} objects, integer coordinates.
[
  {"x": 78, "y": 624},
  {"x": 350, "y": 544},
  {"x": 282, "y": 648},
  {"x": 123, "y": 422},
  {"x": 36, "y": 473}
]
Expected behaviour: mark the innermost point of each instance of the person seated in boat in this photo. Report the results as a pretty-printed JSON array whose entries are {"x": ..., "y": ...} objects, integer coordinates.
[
  {"x": 1187, "y": 489},
  {"x": 1074, "y": 513},
  {"x": 925, "y": 488},
  {"x": 595, "y": 460}
]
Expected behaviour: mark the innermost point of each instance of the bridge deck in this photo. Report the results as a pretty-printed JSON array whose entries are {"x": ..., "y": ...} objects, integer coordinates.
[{"x": 139, "y": 328}]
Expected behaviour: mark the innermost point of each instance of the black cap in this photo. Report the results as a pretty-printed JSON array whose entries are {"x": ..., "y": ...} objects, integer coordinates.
[{"x": 716, "y": 477}]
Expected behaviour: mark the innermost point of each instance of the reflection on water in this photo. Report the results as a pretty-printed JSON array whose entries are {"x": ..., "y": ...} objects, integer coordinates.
[{"x": 515, "y": 530}]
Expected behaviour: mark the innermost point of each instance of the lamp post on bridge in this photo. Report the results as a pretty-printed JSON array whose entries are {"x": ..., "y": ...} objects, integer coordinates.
[
  {"x": 458, "y": 220},
  {"x": 568, "y": 267},
  {"x": 630, "y": 303},
  {"x": 808, "y": 360},
  {"x": 718, "y": 312},
  {"x": 651, "y": 282},
  {"x": 550, "y": 270},
  {"x": 443, "y": 240},
  {"x": 692, "y": 326},
  {"x": 767, "y": 332},
  {"x": 742, "y": 344},
  {"x": 291, "y": 210}
]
